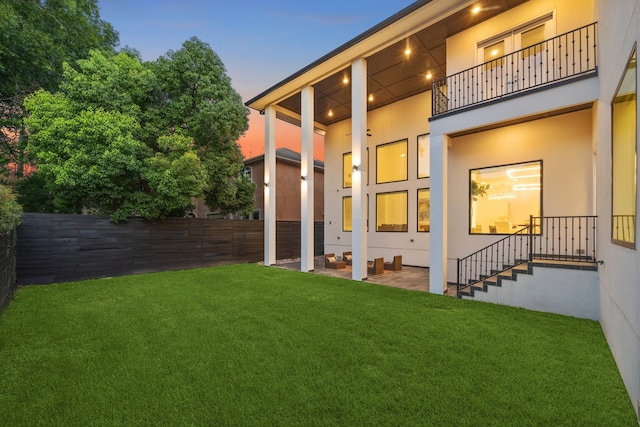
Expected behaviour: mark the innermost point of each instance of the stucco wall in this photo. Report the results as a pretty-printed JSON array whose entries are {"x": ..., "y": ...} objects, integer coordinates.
[
  {"x": 406, "y": 119},
  {"x": 619, "y": 288},
  {"x": 569, "y": 15},
  {"x": 552, "y": 290},
  {"x": 563, "y": 143}
]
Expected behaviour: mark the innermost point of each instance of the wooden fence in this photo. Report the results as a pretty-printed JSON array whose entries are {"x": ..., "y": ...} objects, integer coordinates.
[
  {"x": 58, "y": 248},
  {"x": 7, "y": 268}
]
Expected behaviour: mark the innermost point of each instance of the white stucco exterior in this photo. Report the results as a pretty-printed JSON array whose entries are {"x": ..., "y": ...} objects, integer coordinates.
[{"x": 566, "y": 125}]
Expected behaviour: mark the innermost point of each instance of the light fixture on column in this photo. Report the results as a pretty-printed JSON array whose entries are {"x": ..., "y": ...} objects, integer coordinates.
[
  {"x": 303, "y": 178},
  {"x": 266, "y": 184},
  {"x": 355, "y": 168}
]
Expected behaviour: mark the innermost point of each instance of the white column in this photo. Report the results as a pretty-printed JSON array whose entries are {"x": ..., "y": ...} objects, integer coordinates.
[
  {"x": 270, "y": 186},
  {"x": 306, "y": 182},
  {"x": 359, "y": 177},
  {"x": 438, "y": 213}
]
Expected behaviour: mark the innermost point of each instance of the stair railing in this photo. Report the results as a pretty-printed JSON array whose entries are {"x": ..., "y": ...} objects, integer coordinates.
[
  {"x": 559, "y": 238},
  {"x": 500, "y": 256}
]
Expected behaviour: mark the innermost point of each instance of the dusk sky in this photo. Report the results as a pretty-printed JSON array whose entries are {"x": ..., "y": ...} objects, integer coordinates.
[{"x": 260, "y": 42}]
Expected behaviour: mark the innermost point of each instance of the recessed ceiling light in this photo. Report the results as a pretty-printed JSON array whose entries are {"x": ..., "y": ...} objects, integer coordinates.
[
  {"x": 345, "y": 80},
  {"x": 330, "y": 113},
  {"x": 407, "y": 51},
  {"x": 429, "y": 76},
  {"x": 476, "y": 9},
  {"x": 371, "y": 98}
]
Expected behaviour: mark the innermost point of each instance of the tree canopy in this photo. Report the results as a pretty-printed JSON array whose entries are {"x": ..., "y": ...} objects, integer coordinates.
[
  {"x": 36, "y": 38},
  {"x": 125, "y": 138}
]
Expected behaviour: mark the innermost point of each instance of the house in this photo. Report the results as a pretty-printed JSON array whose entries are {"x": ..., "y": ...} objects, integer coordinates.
[
  {"x": 475, "y": 136},
  {"x": 288, "y": 179}
]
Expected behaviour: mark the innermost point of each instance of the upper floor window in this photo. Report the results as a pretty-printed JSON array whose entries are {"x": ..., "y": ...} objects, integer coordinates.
[
  {"x": 391, "y": 162},
  {"x": 624, "y": 158},
  {"x": 423, "y": 156},
  {"x": 347, "y": 170},
  {"x": 502, "y": 198}
]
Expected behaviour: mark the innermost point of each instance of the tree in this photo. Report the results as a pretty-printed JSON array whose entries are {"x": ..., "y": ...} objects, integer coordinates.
[
  {"x": 114, "y": 141},
  {"x": 198, "y": 97},
  {"x": 36, "y": 38},
  {"x": 10, "y": 210},
  {"x": 86, "y": 142}
]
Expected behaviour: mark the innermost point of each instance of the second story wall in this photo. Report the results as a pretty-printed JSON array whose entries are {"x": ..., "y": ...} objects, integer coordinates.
[{"x": 568, "y": 15}]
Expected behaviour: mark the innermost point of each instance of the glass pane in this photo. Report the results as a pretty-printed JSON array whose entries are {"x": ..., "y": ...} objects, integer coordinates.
[
  {"x": 492, "y": 53},
  {"x": 530, "y": 38},
  {"x": 391, "y": 211},
  {"x": 423, "y": 156},
  {"x": 624, "y": 129},
  {"x": 503, "y": 197},
  {"x": 346, "y": 213},
  {"x": 391, "y": 162},
  {"x": 346, "y": 170},
  {"x": 424, "y": 209}
]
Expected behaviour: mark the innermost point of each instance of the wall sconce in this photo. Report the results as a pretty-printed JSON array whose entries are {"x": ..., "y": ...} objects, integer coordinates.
[
  {"x": 355, "y": 168},
  {"x": 303, "y": 178},
  {"x": 266, "y": 184}
]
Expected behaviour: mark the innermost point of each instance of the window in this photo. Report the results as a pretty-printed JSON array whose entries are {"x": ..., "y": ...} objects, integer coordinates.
[
  {"x": 424, "y": 209},
  {"x": 391, "y": 211},
  {"x": 502, "y": 198},
  {"x": 347, "y": 207},
  {"x": 248, "y": 172},
  {"x": 423, "y": 156},
  {"x": 347, "y": 170},
  {"x": 624, "y": 158},
  {"x": 391, "y": 162}
]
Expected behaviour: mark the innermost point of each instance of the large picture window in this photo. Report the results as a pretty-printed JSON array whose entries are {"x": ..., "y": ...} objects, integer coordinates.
[
  {"x": 424, "y": 210},
  {"x": 391, "y": 211},
  {"x": 502, "y": 198},
  {"x": 423, "y": 156},
  {"x": 391, "y": 162},
  {"x": 624, "y": 160}
]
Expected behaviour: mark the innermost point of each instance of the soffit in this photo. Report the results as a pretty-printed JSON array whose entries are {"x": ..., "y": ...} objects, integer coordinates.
[{"x": 391, "y": 74}]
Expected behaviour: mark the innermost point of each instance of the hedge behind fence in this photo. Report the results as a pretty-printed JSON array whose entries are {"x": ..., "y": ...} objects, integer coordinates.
[
  {"x": 7, "y": 267},
  {"x": 58, "y": 248}
]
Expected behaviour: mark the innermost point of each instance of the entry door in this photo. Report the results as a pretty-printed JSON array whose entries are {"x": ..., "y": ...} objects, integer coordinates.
[{"x": 503, "y": 73}]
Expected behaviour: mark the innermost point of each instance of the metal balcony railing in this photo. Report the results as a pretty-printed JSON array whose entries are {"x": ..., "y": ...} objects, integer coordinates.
[{"x": 563, "y": 57}]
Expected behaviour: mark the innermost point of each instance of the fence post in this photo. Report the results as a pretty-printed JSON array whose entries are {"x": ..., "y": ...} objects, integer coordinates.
[
  {"x": 531, "y": 225},
  {"x": 458, "y": 278}
]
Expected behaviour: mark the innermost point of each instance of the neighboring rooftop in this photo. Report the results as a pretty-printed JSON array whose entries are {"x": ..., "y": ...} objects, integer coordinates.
[{"x": 285, "y": 154}]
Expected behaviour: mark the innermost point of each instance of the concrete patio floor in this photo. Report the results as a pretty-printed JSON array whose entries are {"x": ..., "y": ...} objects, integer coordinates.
[{"x": 413, "y": 278}]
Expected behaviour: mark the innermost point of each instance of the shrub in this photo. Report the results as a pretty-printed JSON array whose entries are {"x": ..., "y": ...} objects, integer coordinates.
[{"x": 10, "y": 210}]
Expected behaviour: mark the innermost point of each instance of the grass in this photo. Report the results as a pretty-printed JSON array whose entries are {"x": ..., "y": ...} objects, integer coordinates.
[{"x": 249, "y": 345}]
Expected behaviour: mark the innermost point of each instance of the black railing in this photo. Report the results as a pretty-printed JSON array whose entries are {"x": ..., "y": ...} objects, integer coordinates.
[
  {"x": 564, "y": 238},
  {"x": 561, "y": 238},
  {"x": 624, "y": 228},
  {"x": 563, "y": 57}
]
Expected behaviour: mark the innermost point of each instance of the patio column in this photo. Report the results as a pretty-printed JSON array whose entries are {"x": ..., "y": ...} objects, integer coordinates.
[
  {"x": 359, "y": 174},
  {"x": 306, "y": 182},
  {"x": 438, "y": 268},
  {"x": 270, "y": 186}
]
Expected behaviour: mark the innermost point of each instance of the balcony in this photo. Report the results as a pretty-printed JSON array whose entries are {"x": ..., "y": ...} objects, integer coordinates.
[{"x": 554, "y": 61}]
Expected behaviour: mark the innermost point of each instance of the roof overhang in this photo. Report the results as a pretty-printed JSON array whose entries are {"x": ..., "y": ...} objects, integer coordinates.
[{"x": 423, "y": 27}]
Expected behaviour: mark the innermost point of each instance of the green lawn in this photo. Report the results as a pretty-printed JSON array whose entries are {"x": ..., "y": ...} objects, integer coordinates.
[{"x": 249, "y": 345}]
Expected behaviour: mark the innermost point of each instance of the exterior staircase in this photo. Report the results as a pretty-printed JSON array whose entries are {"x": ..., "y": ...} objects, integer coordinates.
[{"x": 556, "y": 274}]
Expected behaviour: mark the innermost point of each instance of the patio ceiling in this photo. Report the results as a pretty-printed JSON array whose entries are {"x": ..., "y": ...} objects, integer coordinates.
[{"x": 393, "y": 74}]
